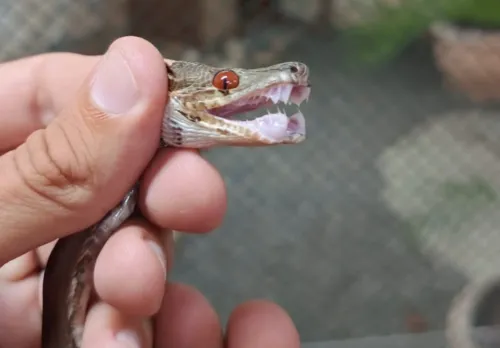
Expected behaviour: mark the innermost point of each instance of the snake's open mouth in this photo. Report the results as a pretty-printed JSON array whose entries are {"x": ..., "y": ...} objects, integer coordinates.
[{"x": 274, "y": 127}]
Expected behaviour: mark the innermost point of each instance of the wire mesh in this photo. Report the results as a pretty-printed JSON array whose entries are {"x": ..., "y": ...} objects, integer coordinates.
[{"x": 374, "y": 223}]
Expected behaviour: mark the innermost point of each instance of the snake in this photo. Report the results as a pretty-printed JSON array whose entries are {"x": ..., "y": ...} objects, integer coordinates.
[{"x": 199, "y": 113}]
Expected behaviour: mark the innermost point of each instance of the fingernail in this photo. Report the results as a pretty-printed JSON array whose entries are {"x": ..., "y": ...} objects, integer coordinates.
[
  {"x": 127, "y": 339},
  {"x": 161, "y": 256},
  {"x": 114, "y": 89}
]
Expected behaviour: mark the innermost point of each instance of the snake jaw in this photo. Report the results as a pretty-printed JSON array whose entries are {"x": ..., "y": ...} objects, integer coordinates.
[
  {"x": 199, "y": 115},
  {"x": 273, "y": 128}
]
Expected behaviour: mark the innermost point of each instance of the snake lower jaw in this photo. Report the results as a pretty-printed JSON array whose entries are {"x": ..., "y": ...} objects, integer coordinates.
[
  {"x": 271, "y": 129},
  {"x": 212, "y": 128}
]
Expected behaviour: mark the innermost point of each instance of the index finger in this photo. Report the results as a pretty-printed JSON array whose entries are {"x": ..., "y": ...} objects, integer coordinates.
[{"x": 34, "y": 89}]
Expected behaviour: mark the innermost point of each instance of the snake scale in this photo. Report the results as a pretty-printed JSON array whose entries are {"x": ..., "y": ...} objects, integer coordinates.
[{"x": 202, "y": 100}]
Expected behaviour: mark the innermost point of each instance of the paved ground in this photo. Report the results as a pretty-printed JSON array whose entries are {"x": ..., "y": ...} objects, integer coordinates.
[{"x": 306, "y": 225}]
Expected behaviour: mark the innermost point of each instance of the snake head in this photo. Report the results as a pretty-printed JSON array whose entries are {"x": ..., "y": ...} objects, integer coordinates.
[{"x": 204, "y": 100}]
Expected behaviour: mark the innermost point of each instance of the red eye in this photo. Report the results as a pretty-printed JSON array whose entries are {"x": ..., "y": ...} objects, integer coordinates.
[{"x": 226, "y": 79}]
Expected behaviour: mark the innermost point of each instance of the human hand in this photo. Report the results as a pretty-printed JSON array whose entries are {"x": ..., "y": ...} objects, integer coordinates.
[{"x": 75, "y": 133}]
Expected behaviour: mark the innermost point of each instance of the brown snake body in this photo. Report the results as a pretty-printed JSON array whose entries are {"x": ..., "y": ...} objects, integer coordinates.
[{"x": 201, "y": 101}]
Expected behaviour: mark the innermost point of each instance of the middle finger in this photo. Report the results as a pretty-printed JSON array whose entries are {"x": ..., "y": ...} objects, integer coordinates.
[
  {"x": 131, "y": 271},
  {"x": 137, "y": 255}
]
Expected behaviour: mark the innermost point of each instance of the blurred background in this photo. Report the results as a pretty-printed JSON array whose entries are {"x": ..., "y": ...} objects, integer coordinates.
[{"x": 368, "y": 230}]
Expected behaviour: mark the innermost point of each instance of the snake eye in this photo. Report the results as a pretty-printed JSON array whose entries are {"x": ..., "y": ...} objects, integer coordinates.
[{"x": 225, "y": 80}]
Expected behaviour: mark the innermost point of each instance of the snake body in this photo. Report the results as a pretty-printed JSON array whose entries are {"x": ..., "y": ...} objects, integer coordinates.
[{"x": 201, "y": 101}]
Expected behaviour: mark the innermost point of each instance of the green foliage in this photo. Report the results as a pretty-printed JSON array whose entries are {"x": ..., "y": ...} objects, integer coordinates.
[
  {"x": 394, "y": 27},
  {"x": 456, "y": 204}
]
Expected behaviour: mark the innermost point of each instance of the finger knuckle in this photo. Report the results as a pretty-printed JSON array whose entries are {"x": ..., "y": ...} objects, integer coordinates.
[{"x": 57, "y": 163}]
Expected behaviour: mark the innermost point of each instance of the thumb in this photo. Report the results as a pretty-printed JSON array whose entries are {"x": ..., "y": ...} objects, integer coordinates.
[{"x": 67, "y": 176}]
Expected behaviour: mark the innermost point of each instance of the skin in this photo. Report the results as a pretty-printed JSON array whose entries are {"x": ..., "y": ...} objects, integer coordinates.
[{"x": 45, "y": 92}]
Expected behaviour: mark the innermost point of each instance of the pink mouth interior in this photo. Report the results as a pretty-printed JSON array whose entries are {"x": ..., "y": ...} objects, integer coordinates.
[{"x": 274, "y": 127}]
